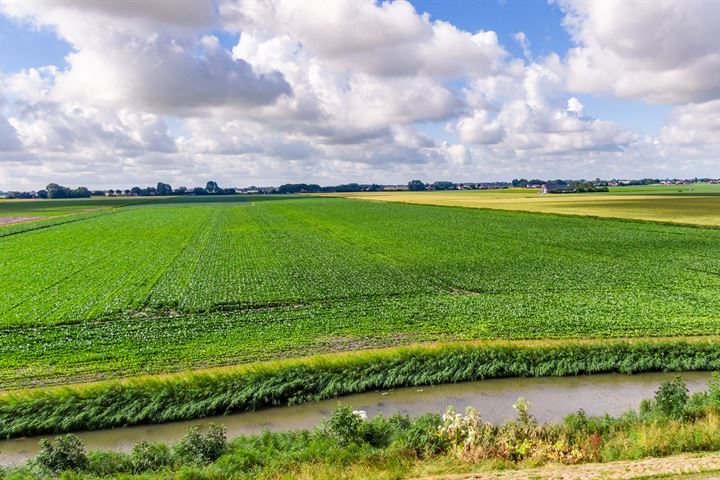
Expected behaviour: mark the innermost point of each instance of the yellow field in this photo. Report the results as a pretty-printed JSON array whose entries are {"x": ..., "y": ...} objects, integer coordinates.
[{"x": 682, "y": 209}]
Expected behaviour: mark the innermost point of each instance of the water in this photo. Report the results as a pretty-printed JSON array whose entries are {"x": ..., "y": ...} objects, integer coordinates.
[{"x": 552, "y": 398}]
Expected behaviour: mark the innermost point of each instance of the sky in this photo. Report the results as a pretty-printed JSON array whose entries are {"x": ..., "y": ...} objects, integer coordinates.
[{"x": 113, "y": 94}]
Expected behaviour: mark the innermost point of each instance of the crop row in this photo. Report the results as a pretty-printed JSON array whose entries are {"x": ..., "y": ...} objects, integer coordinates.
[
  {"x": 170, "y": 286},
  {"x": 199, "y": 258},
  {"x": 154, "y": 344}
]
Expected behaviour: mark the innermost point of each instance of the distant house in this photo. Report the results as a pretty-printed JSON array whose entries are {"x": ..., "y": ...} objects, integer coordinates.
[
  {"x": 556, "y": 188},
  {"x": 553, "y": 188}
]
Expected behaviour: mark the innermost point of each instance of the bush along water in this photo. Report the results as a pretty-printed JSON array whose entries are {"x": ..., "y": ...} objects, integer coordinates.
[
  {"x": 195, "y": 395},
  {"x": 349, "y": 443}
]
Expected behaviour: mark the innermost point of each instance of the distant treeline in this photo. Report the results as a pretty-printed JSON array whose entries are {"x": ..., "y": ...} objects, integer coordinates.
[
  {"x": 165, "y": 189},
  {"x": 54, "y": 190},
  {"x": 315, "y": 188}
]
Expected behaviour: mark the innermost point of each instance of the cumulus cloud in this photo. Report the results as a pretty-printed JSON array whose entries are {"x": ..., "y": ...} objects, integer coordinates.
[
  {"x": 480, "y": 129},
  {"x": 119, "y": 61},
  {"x": 9, "y": 140},
  {"x": 532, "y": 113},
  {"x": 51, "y": 127},
  {"x": 347, "y": 91},
  {"x": 339, "y": 106},
  {"x": 664, "y": 51},
  {"x": 575, "y": 106},
  {"x": 386, "y": 39},
  {"x": 695, "y": 126},
  {"x": 195, "y": 14},
  {"x": 164, "y": 76}
]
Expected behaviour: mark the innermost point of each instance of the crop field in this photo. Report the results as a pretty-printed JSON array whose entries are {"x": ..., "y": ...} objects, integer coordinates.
[
  {"x": 191, "y": 283},
  {"x": 659, "y": 189},
  {"x": 53, "y": 208},
  {"x": 49, "y": 212},
  {"x": 680, "y": 204}
]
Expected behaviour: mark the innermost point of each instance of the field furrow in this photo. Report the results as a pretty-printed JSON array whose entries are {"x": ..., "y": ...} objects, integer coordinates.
[{"x": 170, "y": 286}]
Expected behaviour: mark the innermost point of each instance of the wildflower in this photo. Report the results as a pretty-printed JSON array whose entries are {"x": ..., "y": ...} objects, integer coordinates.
[{"x": 361, "y": 414}]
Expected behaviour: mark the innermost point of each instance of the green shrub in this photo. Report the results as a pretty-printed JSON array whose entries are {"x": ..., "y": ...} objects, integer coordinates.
[
  {"x": 202, "y": 449},
  {"x": 672, "y": 397},
  {"x": 577, "y": 422},
  {"x": 522, "y": 407},
  {"x": 422, "y": 436},
  {"x": 346, "y": 425},
  {"x": 579, "y": 426},
  {"x": 108, "y": 463},
  {"x": 714, "y": 391},
  {"x": 66, "y": 452},
  {"x": 242, "y": 460},
  {"x": 150, "y": 456}
]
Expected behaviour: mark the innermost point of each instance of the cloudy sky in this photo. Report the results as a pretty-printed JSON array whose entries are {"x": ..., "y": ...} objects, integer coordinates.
[{"x": 113, "y": 94}]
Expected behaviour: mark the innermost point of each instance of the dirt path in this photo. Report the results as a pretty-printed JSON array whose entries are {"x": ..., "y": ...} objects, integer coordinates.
[
  {"x": 686, "y": 464},
  {"x": 11, "y": 220}
]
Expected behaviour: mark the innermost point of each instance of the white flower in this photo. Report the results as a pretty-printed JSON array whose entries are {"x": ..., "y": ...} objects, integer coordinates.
[{"x": 361, "y": 414}]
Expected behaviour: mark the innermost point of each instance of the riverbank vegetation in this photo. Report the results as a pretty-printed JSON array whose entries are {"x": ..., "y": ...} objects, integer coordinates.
[
  {"x": 348, "y": 445},
  {"x": 157, "y": 399}
]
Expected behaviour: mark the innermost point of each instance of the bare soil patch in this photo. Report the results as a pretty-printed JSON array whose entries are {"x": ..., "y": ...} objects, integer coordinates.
[
  {"x": 692, "y": 465},
  {"x": 10, "y": 220}
]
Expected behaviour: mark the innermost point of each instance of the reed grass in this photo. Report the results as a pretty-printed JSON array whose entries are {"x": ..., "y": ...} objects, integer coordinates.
[{"x": 194, "y": 395}]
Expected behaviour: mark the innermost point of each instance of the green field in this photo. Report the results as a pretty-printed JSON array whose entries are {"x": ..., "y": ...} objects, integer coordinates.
[
  {"x": 189, "y": 283},
  {"x": 659, "y": 189},
  {"x": 52, "y": 208}
]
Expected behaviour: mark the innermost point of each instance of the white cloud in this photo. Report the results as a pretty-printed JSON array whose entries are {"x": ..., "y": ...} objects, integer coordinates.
[
  {"x": 340, "y": 106},
  {"x": 524, "y": 43},
  {"x": 575, "y": 106},
  {"x": 387, "y": 39},
  {"x": 50, "y": 127},
  {"x": 532, "y": 113},
  {"x": 480, "y": 129},
  {"x": 9, "y": 140},
  {"x": 340, "y": 91},
  {"x": 193, "y": 14},
  {"x": 131, "y": 54},
  {"x": 694, "y": 126},
  {"x": 164, "y": 76},
  {"x": 659, "y": 51}
]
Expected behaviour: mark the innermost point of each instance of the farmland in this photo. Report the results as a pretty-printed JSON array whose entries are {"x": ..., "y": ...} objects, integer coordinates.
[
  {"x": 188, "y": 283},
  {"x": 53, "y": 208},
  {"x": 679, "y": 204}
]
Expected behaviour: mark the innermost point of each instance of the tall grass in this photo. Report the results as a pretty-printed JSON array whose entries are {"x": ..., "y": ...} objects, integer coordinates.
[{"x": 195, "y": 395}]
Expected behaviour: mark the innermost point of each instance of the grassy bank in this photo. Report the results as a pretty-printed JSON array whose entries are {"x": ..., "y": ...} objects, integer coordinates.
[
  {"x": 156, "y": 399},
  {"x": 348, "y": 445}
]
